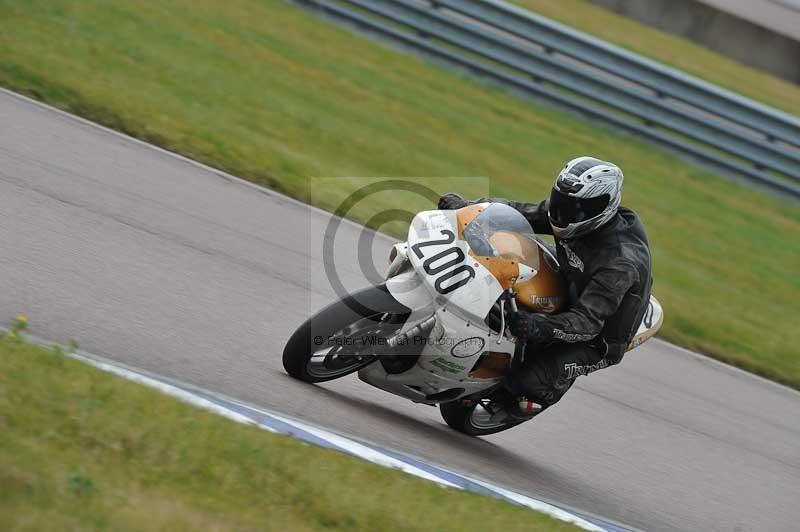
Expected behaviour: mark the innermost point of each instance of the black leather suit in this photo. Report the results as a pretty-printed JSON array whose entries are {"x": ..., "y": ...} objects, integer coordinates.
[{"x": 609, "y": 277}]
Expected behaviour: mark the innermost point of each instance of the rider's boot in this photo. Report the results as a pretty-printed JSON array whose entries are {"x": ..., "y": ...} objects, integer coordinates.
[
  {"x": 522, "y": 408},
  {"x": 518, "y": 408}
]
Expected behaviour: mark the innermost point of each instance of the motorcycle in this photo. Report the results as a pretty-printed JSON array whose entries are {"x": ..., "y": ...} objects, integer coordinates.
[{"x": 435, "y": 331}]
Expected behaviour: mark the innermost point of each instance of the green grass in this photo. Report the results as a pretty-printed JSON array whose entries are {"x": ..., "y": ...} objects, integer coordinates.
[
  {"x": 85, "y": 450},
  {"x": 268, "y": 92},
  {"x": 672, "y": 50}
]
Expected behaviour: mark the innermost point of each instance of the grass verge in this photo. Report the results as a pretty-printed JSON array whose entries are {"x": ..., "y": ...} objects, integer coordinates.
[
  {"x": 85, "y": 450},
  {"x": 671, "y": 50},
  {"x": 268, "y": 92}
]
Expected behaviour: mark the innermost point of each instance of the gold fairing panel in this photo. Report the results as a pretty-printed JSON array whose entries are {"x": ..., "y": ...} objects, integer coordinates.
[
  {"x": 504, "y": 270},
  {"x": 546, "y": 292},
  {"x": 491, "y": 365},
  {"x": 465, "y": 215},
  {"x": 513, "y": 249}
]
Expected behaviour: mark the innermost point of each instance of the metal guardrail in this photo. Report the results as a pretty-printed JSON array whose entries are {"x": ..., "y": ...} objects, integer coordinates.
[{"x": 540, "y": 57}]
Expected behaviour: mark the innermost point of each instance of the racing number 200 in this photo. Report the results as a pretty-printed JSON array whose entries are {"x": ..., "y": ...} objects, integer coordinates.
[{"x": 462, "y": 272}]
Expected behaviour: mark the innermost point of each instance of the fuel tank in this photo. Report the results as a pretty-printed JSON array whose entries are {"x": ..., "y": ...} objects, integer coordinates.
[{"x": 546, "y": 291}]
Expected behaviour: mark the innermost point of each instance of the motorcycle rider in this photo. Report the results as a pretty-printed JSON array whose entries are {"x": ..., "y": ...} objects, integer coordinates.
[{"x": 604, "y": 256}]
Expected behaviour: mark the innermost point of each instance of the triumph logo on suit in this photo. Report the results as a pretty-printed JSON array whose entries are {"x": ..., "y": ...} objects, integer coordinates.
[
  {"x": 573, "y": 259},
  {"x": 574, "y": 370}
]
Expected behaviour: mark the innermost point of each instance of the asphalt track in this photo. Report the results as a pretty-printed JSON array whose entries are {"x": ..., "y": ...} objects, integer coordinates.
[{"x": 168, "y": 266}]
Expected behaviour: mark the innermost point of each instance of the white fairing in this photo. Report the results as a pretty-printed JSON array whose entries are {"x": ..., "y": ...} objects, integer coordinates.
[{"x": 441, "y": 278}]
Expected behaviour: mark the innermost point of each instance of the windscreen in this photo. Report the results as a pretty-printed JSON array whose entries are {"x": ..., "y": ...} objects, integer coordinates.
[{"x": 501, "y": 231}]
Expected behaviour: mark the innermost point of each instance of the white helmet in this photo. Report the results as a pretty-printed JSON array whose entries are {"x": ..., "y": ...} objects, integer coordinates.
[{"x": 585, "y": 196}]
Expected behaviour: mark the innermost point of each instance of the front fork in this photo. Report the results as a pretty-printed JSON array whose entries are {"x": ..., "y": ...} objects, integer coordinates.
[{"x": 519, "y": 350}]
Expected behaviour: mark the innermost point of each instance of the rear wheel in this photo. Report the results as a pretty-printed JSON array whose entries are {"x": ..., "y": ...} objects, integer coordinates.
[
  {"x": 344, "y": 336},
  {"x": 476, "y": 418}
]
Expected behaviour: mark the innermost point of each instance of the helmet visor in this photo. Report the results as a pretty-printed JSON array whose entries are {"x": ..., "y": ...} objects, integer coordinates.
[{"x": 565, "y": 210}]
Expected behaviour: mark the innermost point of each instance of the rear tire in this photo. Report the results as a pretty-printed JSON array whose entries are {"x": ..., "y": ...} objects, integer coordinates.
[
  {"x": 461, "y": 417},
  {"x": 367, "y": 308}
]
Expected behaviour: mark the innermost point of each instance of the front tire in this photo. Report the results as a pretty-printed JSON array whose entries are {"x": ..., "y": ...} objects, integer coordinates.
[{"x": 371, "y": 311}]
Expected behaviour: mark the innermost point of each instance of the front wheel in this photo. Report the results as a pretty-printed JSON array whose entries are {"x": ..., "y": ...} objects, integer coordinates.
[
  {"x": 476, "y": 418},
  {"x": 343, "y": 337}
]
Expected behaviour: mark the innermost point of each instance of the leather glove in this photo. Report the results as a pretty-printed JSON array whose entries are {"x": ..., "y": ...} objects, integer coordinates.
[
  {"x": 522, "y": 325},
  {"x": 451, "y": 201}
]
